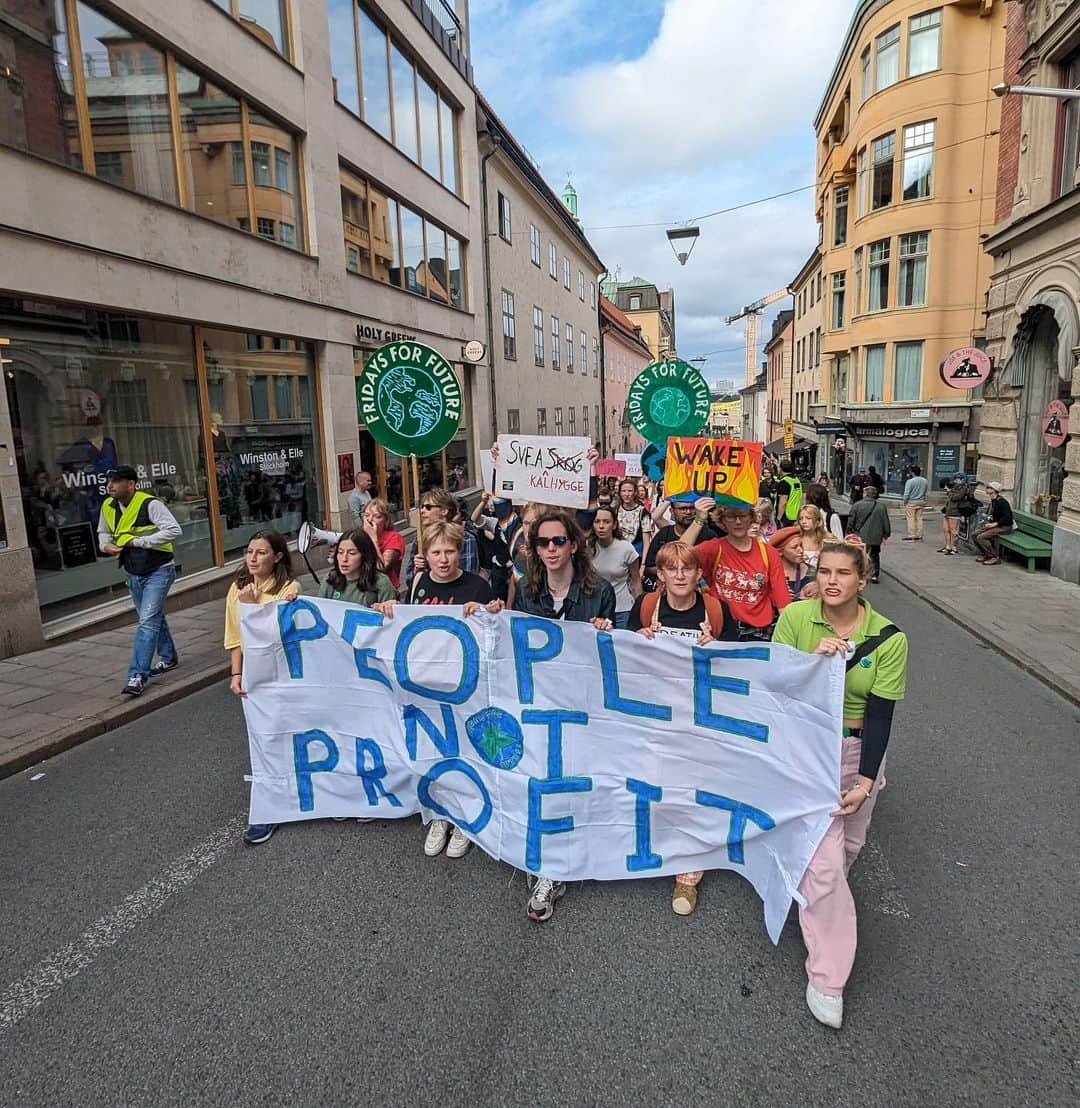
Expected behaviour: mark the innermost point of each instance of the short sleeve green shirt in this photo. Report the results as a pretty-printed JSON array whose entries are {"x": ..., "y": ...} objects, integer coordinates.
[{"x": 883, "y": 672}]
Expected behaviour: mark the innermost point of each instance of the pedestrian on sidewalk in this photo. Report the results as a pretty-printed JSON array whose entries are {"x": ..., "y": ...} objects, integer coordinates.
[
  {"x": 999, "y": 521},
  {"x": 915, "y": 489},
  {"x": 957, "y": 497},
  {"x": 870, "y": 521},
  {"x": 265, "y": 576},
  {"x": 842, "y": 622},
  {"x": 139, "y": 530}
]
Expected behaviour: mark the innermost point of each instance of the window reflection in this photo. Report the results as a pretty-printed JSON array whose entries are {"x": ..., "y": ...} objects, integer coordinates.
[
  {"x": 404, "y": 103},
  {"x": 437, "y": 279},
  {"x": 128, "y": 102},
  {"x": 266, "y": 449},
  {"x": 375, "y": 74},
  {"x": 343, "y": 53},
  {"x": 211, "y": 150},
  {"x": 448, "y": 125},
  {"x": 354, "y": 212},
  {"x": 385, "y": 249},
  {"x": 266, "y": 20},
  {"x": 412, "y": 245},
  {"x": 37, "y": 111},
  {"x": 273, "y": 161},
  {"x": 429, "y": 128},
  {"x": 453, "y": 263}
]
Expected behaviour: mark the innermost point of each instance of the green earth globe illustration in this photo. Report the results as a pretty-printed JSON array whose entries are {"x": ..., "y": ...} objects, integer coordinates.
[
  {"x": 669, "y": 407},
  {"x": 410, "y": 401}
]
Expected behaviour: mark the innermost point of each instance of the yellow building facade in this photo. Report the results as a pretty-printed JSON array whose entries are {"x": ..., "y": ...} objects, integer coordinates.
[{"x": 906, "y": 161}]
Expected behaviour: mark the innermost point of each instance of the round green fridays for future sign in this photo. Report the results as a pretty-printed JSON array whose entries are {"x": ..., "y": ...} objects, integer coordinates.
[
  {"x": 668, "y": 398},
  {"x": 409, "y": 398}
]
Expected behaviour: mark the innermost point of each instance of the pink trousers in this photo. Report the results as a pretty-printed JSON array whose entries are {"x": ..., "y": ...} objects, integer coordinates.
[{"x": 828, "y": 920}]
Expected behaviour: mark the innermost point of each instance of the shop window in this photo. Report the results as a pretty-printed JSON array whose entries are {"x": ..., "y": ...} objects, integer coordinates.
[
  {"x": 128, "y": 104},
  {"x": 266, "y": 454},
  {"x": 78, "y": 408},
  {"x": 907, "y": 378},
  {"x": 874, "y": 369},
  {"x": 924, "y": 43},
  {"x": 913, "y": 252},
  {"x": 881, "y": 191}
]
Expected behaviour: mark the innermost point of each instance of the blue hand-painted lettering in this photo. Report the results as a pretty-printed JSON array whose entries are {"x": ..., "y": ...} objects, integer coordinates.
[
  {"x": 292, "y": 636},
  {"x": 740, "y": 813},
  {"x": 609, "y": 673},
  {"x": 355, "y": 618},
  {"x": 372, "y": 775},
  {"x": 527, "y": 655},
  {"x": 537, "y": 826},
  {"x": 643, "y": 857},
  {"x": 554, "y": 719},
  {"x": 455, "y": 765},
  {"x": 706, "y": 683},
  {"x": 470, "y": 659},
  {"x": 304, "y": 767}
]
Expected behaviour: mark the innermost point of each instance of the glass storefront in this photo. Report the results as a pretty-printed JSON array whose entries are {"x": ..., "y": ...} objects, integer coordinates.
[
  {"x": 893, "y": 460},
  {"x": 453, "y": 468},
  {"x": 89, "y": 389}
]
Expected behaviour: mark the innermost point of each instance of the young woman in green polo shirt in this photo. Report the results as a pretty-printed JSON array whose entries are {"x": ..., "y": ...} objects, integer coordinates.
[{"x": 839, "y": 622}]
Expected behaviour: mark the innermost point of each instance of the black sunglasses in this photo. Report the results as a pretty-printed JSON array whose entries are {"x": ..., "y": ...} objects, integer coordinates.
[{"x": 556, "y": 540}]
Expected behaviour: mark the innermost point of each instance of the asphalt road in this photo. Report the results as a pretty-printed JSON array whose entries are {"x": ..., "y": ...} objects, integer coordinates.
[{"x": 149, "y": 958}]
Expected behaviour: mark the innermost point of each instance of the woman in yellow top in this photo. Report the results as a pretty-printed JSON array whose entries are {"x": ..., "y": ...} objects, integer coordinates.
[
  {"x": 264, "y": 576},
  {"x": 841, "y": 621}
]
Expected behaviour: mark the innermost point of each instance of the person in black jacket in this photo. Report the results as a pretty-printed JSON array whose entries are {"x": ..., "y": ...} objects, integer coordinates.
[{"x": 999, "y": 521}]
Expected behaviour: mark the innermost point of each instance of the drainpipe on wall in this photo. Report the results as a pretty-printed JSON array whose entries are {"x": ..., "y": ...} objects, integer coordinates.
[
  {"x": 496, "y": 141},
  {"x": 603, "y": 395}
]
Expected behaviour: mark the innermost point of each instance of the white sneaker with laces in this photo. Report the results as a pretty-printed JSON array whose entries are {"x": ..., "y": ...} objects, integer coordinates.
[
  {"x": 437, "y": 834},
  {"x": 542, "y": 902},
  {"x": 459, "y": 844},
  {"x": 828, "y": 1010}
]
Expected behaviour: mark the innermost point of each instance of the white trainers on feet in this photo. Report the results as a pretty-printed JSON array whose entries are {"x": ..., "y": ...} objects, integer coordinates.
[
  {"x": 437, "y": 833},
  {"x": 545, "y": 893},
  {"x": 459, "y": 844},
  {"x": 828, "y": 1010}
]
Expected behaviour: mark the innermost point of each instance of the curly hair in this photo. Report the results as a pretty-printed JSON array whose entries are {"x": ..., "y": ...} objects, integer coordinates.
[
  {"x": 584, "y": 572},
  {"x": 369, "y": 561}
]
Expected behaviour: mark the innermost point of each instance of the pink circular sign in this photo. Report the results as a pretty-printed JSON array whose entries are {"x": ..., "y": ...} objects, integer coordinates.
[
  {"x": 1055, "y": 423},
  {"x": 966, "y": 368}
]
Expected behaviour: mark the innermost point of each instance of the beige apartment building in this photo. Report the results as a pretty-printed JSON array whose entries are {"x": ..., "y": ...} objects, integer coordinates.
[
  {"x": 778, "y": 369},
  {"x": 624, "y": 355},
  {"x": 906, "y": 156},
  {"x": 543, "y": 280},
  {"x": 806, "y": 292},
  {"x": 651, "y": 309},
  {"x": 207, "y": 220},
  {"x": 1033, "y": 323}
]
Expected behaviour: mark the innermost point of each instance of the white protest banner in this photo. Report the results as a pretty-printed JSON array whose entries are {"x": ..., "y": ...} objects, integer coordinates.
[
  {"x": 551, "y": 470},
  {"x": 557, "y": 748},
  {"x": 487, "y": 470},
  {"x": 633, "y": 464}
]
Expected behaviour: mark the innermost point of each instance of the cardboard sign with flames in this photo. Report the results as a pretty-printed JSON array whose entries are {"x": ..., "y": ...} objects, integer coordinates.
[{"x": 728, "y": 470}]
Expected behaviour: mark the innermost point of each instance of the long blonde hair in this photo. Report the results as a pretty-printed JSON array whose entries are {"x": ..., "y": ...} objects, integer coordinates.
[{"x": 814, "y": 513}]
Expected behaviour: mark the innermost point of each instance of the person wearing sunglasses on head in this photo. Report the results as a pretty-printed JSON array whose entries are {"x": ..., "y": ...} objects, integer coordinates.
[
  {"x": 560, "y": 582},
  {"x": 437, "y": 506}
]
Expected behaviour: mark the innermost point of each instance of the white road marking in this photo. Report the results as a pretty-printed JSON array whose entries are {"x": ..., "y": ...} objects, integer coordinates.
[
  {"x": 878, "y": 882},
  {"x": 24, "y": 996}
]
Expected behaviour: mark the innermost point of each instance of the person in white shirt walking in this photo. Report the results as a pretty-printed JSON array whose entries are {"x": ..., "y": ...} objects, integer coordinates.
[{"x": 915, "y": 488}]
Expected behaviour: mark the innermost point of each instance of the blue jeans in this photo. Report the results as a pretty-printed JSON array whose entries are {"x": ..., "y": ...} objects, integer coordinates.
[
  {"x": 622, "y": 619},
  {"x": 152, "y": 635}
]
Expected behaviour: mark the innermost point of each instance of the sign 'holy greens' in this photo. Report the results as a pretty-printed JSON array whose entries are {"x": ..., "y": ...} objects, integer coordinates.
[
  {"x": 668, "y": 398},
  {"x": 409, "y": 398}
]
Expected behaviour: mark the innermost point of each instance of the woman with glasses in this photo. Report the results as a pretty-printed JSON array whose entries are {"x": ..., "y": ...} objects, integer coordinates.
[
  {"x": 842, "y": 622},
  {"x": 264, "y": 577},
  {"x": 437, "y": 506},
  {"x": 560, "y": 582}
]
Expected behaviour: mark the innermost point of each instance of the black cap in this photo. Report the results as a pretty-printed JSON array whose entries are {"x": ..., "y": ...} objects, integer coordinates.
[{"x": 123, "y": 473}]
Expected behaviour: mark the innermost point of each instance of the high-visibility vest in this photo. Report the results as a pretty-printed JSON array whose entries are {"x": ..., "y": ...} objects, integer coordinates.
[{"x": 128, "y": 523}]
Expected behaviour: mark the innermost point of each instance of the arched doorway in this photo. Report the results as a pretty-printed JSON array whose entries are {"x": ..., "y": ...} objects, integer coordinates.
[{"x": 1041, "y": 365}]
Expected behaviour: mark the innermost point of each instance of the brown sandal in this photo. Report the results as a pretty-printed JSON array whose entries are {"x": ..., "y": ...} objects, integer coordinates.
[{"x": 992, "y": 562}]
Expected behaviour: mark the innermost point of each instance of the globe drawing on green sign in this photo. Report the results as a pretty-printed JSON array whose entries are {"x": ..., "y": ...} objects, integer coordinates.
[
  {"x": 668, "y": 398},
  {"x": 409, "y": 399}
]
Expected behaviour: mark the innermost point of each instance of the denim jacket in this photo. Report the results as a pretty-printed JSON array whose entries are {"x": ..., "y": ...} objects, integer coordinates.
[{"x": 577, "y": 608}]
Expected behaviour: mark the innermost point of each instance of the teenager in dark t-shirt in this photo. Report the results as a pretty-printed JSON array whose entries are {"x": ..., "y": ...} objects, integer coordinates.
[{"x": 444, "y": 581}]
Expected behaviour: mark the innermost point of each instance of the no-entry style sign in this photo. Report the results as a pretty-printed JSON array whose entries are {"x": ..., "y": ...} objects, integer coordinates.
[
  {"x": 668, "y": 398},
  {"x": 966, "y": 368},
  {"x": 409, "y": 399}
]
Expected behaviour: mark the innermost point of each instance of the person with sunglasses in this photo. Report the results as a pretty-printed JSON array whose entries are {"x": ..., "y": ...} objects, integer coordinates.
[
  {"x": 560, "y": 582},
  {"x": 437, "y": 506}
]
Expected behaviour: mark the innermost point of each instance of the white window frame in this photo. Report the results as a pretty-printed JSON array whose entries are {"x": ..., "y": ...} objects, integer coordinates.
[{"x": 534, "y": 244}]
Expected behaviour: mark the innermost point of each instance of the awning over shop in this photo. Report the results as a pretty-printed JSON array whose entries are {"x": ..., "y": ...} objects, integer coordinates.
[{"x": 777, "y": 446}]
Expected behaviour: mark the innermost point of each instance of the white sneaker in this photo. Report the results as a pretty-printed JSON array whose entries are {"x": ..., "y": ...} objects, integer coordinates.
[
  {"x": 828, "y": 1010},
  {"x": 459, "y": 844},
  {"x": 437, "y": 833}
]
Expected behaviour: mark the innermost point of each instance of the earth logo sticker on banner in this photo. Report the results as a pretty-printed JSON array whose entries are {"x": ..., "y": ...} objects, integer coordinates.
[
  {"x": 409, "y": 398},
  {"x": 668, "y": 398}
]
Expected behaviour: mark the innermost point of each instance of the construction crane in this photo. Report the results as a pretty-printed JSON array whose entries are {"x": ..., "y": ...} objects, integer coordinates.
[{"x": 751, "y": 313}]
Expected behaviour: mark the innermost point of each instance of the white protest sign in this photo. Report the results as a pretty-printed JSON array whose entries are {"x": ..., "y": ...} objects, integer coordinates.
[
  {"x": 557, "y": 748},
  {"x": 487, "y": 470},
  {"x": 633, "y": 464},
  {"x": 551, "y": 470}
]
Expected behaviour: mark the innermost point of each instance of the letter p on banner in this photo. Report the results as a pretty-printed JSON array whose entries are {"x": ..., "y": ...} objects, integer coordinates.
[{"x": 728, "y": 470}]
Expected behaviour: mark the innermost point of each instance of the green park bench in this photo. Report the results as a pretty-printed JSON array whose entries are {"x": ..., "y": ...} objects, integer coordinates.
[{"x": 1031, "y": 537}]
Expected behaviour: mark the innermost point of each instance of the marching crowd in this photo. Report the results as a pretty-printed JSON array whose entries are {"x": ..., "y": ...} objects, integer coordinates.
[{"x": 707, "y": 572}]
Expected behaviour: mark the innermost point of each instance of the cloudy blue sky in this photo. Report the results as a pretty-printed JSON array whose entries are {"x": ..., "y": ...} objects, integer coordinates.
[{"x": 662, "y": 111}]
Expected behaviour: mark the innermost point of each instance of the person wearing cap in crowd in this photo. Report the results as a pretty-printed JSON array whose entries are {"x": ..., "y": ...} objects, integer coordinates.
[
  {"x": 139, "y": 531},
  {"x": 787, "y": 542},
  {"x": 999, "y": 521}
]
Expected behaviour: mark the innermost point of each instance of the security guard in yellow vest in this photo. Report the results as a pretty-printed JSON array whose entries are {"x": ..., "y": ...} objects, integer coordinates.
[{"x": 139, "y": 530}]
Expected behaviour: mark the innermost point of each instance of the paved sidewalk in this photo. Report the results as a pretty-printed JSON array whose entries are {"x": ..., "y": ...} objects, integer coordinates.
[
  {"x": 1032, "y": 618},
  {"x": 55, "y": 698}
]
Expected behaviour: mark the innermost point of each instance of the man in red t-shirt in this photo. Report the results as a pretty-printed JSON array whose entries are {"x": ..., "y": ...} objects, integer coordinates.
[{"x": 741, "y": 571}]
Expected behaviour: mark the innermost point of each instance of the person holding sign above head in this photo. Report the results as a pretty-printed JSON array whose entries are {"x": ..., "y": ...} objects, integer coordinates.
[
  {"x": 680, "y": 609},
  {"x": 683, "y": 513},
  {"x": 742, "y": 571},
  {"x": 560, "y": 582},
  {"x": 354, "y": 575},
  {"x": 842, "y": 622},
  {"x": 616, "y": 561},
  {"x": 264, "y": 577}
]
